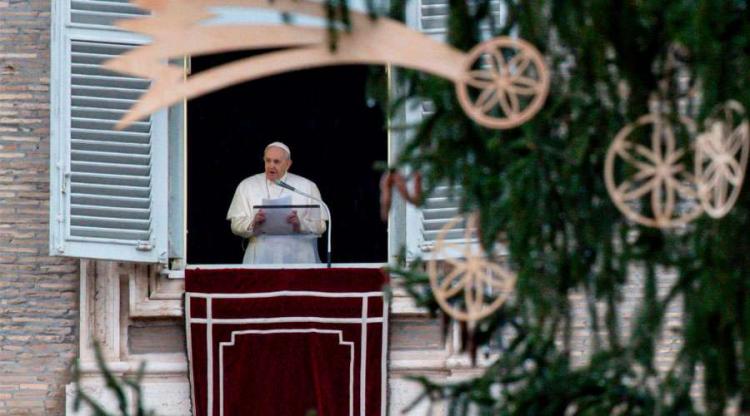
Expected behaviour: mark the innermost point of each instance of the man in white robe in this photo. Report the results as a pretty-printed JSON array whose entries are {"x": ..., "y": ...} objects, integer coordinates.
[{"x": 307, "y": 223}]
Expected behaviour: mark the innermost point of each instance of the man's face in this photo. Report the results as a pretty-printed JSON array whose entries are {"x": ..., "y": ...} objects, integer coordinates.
[{"x": 276, "y": 163}]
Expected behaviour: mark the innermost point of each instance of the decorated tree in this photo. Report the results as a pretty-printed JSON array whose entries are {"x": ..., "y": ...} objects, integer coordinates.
[
  {"x": 631, "y": 166},
  {"x": 595, "y": 140}
]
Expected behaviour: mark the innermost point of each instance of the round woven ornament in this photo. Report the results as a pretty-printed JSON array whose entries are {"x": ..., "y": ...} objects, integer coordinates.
[
  {"x": 646, "y": 174},
  {"x": 469, "y": 286},
  {"x": 505, "y": 83},
  {"x": 721, "y": 154}
]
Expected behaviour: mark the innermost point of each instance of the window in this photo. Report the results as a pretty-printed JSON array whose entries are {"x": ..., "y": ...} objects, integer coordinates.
[
  {"x": 335, "y": 137},
  {"x": 120, "y": 195}
]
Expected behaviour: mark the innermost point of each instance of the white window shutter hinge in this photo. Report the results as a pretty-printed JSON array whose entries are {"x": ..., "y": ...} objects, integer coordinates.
[
  {"x": 66, "y": 180},
  {"x": 144, "y": 246}
]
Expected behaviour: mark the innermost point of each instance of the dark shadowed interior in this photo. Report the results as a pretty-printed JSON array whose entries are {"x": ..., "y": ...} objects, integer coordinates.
[{"x": 335, "y": 133}]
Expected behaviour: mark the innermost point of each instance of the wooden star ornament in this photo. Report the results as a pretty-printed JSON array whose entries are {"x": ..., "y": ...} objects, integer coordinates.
[
  {"x": 470, "y": 286},
  {"x": 501, "y": 83},
  {"x": 721, "y": 154},
  {"x": 646, "y": 174}
]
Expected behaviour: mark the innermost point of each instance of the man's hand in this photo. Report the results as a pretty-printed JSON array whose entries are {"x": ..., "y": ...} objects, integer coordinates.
[
  {"x": 294, "y": 220},
  {"x": 260, "y": 218}
]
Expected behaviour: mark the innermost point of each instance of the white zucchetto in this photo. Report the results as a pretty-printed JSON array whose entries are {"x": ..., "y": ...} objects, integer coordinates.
[{"x": 281, "y": 146}]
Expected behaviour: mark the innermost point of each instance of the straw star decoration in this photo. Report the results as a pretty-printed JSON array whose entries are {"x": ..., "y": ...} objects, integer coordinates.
[
  {"x": 505, "y": 83},
  {"x": 185, "y": 28},
  {"x": 473, "y": 286},
  {"x": 660, "y": 192},
  {"x": 721, "y": 159}
]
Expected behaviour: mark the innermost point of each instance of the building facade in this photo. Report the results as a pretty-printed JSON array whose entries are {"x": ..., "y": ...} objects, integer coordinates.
[
  {"x": 53, "y": 307},
  {"x": 38, "y": 293}
]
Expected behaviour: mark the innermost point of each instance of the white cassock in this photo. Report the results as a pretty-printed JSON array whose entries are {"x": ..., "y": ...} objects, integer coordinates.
[{"x": 274, "y": 249}]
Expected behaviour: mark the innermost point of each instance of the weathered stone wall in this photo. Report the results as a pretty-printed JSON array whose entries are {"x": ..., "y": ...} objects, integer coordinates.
[{"x": 38, "y": 294}]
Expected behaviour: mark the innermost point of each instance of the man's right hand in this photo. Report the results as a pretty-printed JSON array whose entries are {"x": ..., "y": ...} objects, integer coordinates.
[{"x": 260, "y": 218}]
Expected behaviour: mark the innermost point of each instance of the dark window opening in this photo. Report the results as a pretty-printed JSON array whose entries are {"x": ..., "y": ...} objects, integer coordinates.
[{"x": 335, "y": 136}]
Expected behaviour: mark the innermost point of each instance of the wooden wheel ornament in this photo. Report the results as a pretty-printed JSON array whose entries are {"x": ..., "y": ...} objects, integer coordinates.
[
  {"x": 657, "y": 189},
  {"x": 504, "y": 84},
  {"x": 721, "y": 155},
  {"x": 473, "y": 287},
  {"x": 516, "y": 83}
]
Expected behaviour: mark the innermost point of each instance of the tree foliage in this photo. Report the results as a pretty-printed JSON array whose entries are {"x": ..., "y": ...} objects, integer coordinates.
[
  {"x": 117, "y": 386},
  {"x": 540, "y": 186}
]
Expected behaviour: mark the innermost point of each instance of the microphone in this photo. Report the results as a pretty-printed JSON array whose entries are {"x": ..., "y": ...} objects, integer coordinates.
[{"x": 285, "y": 185}]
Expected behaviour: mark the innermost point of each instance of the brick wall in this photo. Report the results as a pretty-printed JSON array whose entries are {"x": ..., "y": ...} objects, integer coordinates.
[{"x": 38, "y": 294}]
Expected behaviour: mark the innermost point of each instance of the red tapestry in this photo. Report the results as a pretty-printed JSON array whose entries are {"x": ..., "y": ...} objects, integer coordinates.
[{"x": 287, "y": 342}]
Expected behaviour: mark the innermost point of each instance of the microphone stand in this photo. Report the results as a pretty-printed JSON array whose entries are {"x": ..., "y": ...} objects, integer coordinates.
[{"x": 323, "y": 204}]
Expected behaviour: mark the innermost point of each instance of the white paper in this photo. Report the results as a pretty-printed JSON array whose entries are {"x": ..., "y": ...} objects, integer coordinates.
[{"x": 276, "y": 223}]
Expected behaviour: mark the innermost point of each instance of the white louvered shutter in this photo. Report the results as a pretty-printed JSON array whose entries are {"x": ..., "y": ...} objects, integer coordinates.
[
  {"x": 424, "y": 223},
  {"x": 438, "y": 209},
  {"x": 108, "y": 188},
  {"x": 102, "y": 13},
  {"x": 433, "y": 16}
]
